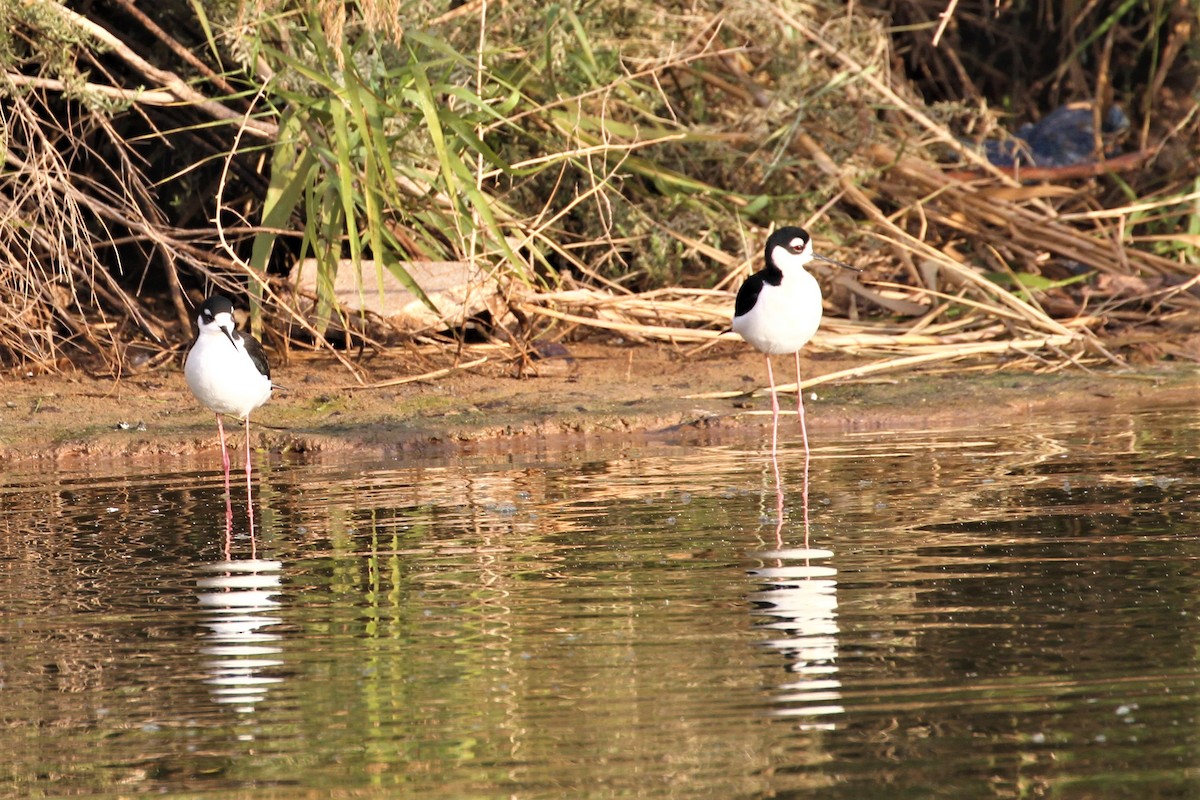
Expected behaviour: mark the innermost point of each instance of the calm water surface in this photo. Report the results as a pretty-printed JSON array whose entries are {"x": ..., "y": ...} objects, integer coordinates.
[{"x": 988, "y": 612}]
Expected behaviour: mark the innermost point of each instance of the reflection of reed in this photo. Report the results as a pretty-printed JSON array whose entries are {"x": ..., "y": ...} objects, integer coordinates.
[
  {"x": 852, "y": 471},
  {"x": 915, "y": 481},
  {"x": 238, "y": 596},
  {"x": 603, "y": 586},
  {"x": 879, "y": 466}
]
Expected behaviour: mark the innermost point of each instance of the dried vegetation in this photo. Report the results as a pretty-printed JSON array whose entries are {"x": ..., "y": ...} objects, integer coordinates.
[{"x": 611, "y": 167}]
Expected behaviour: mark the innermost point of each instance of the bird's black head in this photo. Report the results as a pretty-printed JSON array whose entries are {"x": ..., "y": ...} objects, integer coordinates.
[
  {"x": 214, "y": 305},
  {"x": 795, "y": 242}
]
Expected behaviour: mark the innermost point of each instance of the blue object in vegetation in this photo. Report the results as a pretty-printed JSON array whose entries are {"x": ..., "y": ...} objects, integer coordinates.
[{"x": 1062, "y": 138}]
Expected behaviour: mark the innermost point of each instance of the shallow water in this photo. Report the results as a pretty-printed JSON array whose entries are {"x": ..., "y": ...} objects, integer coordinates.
[{"x": 994, "y": 612}]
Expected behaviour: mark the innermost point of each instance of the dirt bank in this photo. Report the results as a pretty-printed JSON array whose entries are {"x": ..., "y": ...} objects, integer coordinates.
[{"x": 601, "y": 389}]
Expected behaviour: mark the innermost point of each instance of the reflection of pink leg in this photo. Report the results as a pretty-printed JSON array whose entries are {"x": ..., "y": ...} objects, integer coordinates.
[
  {"x": 778, "y": 504},
  {"x": 807, "y": 455},
  {"x": 775, "y": 457},
  {"x": 249, "y": 499},
  {"x": 804, "y": 499},
  {"x": 228, "y": 492}
]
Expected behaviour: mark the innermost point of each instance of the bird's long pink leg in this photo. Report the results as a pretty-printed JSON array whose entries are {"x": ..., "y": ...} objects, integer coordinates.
[
  {"x": 249, "y": 499},
  {"x": 807, "y": 455},
  {"x": 800, "y": 405},
  {"x": 774, "y": 411},
  {"x": 228, "y": 491}
]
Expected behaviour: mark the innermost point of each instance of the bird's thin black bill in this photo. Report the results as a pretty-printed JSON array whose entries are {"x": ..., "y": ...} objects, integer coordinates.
[{"x": 836, "y": 263}]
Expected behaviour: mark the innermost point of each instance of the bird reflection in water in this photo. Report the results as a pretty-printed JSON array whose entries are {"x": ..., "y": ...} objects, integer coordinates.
[
  {"x": 240, "y": 600},
  {"x": 797, "y": 604}
]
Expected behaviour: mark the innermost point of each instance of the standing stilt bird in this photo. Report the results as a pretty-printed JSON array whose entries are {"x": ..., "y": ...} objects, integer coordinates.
[
  {"x": 778, "y": 310},
  {"x": 227, "y": 371}
]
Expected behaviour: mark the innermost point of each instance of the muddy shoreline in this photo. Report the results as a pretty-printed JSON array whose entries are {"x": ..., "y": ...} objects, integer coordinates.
[{"x": 642, "y": 390}]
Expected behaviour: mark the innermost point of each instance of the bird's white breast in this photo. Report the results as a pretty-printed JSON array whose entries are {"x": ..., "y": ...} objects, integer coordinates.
[
  {"x": 784, "y": 317},
  {"x": 223, "y": 377}
]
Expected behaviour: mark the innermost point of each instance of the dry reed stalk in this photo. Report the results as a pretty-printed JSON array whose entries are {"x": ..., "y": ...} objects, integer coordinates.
[
  {"x": 976, "y": 211},
  {"x": 947, "y": 354},
  {"x": 1129, "y": 210},
  {"x": 645, "y": 318},
  {"x": 428, "y": 376}
]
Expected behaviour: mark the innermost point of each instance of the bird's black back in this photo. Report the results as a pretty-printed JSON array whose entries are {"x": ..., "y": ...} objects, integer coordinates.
[
  {"x": 747, "y": 295},
  {"x": 254, "y": 349}
]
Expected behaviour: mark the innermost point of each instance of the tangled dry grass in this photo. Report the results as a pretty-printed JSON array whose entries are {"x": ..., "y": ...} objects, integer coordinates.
[{"x": 614, "y": 169}]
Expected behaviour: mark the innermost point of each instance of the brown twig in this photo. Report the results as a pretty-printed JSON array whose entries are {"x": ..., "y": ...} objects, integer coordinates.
[
  {"x": 169, "y": 81},
  {"x": 1121, "y": 163}
]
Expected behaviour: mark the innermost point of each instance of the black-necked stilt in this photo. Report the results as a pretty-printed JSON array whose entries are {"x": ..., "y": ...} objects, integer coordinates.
[
  {"x": 227, "y": 371},
  {"x": 778, "y": 310}
]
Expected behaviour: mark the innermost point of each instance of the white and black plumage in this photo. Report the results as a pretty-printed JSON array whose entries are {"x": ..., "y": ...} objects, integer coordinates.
[
  {"x": 227, "y": 370},
  {"x": 778, "y": 309}
]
